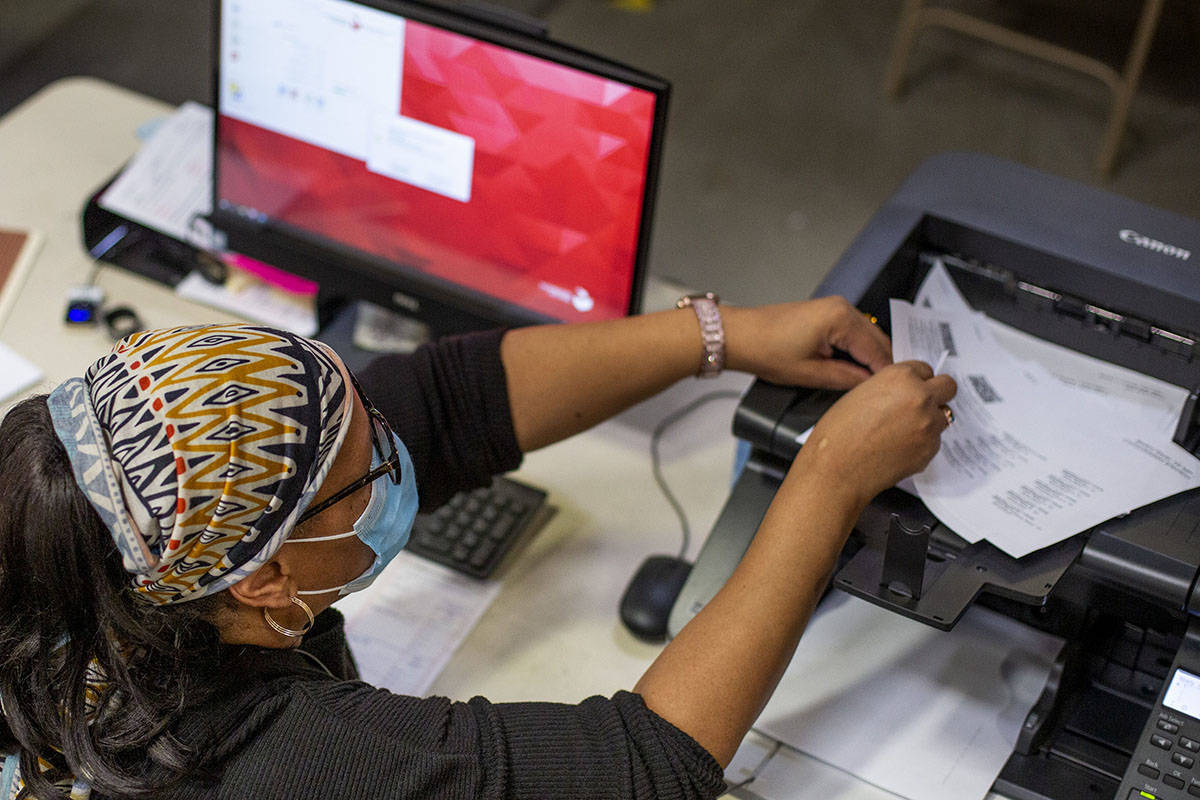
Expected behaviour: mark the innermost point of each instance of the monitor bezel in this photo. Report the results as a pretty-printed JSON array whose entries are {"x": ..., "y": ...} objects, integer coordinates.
[{"x": 357, "y": 274}]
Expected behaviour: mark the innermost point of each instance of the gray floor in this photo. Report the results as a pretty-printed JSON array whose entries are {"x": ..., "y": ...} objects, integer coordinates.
[{"x": 780, "y": 143}]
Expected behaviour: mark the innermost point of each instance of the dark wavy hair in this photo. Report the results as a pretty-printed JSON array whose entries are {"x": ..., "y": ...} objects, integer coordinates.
[{"x": 65, "y": 601}]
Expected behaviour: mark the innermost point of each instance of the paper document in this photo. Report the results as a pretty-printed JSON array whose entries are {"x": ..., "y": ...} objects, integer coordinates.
[
  {"x": 404, "y": 629},
  {"x": 255, "y": 299},
  {"x": 921, "y": 713},
  {"x": 1154, "y": 403},
  {"x": 16, "y": 374},
  {"x": 767, "y": 769},
  {"x": 168, "y": 183},
  {"x": 1038, "y": 453}
]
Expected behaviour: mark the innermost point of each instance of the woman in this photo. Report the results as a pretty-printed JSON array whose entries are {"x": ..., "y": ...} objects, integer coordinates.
[{"x": 175, "y": 525}]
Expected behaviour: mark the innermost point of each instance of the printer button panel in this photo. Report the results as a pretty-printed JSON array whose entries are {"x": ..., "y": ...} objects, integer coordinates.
[
  {"x": 1178, "y": 773},
  {"x": 1163, "y": 764}
]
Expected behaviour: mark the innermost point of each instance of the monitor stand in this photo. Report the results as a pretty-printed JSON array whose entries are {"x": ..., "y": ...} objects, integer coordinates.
[{"x": 360, "y": 332}]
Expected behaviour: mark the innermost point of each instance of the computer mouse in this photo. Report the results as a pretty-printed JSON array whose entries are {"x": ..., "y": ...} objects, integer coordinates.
[{"x": 646, "y": 604}]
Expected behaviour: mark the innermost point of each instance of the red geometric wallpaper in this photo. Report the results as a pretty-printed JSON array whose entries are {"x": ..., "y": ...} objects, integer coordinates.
[{"x": 556, "y": 191}]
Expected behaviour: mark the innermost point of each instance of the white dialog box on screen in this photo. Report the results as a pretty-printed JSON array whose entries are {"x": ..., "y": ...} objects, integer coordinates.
[{"x": 423, "y": 155}]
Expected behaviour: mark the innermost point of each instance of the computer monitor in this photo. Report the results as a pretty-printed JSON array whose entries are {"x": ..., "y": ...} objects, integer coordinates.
[{"x": 458, "y": 170}]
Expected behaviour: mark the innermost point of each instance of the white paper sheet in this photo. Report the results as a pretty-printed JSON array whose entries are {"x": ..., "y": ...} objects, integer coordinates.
[
  {"x": 169, "y": 181},
  {"x": 252, "y": 298},
  {"x": 1032, "y": 459},
  {"x": 907, "y": 709},
  {"x": 16, "y": 374},
  {"x": 765, "y": 769},
  {"x": 1127, "y": 393},
  {"x": 406, "y": 626}
]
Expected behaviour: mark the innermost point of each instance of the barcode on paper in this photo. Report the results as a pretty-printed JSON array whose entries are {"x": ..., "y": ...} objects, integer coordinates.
[
  {"x": 984, "y": 389},
  {"x": 947, "y": 338}
]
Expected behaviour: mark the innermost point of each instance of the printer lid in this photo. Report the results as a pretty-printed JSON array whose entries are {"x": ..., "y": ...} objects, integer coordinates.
[{"x": 1148, "y": 257}]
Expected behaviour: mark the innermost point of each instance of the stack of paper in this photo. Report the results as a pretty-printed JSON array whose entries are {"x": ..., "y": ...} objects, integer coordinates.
[
  {"x": 1046, "y": 442},
  {"x": 167, "y": 185},
  {"x": 921, "y": 713}
]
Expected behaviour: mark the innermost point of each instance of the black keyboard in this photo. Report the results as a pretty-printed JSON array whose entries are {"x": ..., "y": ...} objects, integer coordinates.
[{"x": 474, "y": 531}]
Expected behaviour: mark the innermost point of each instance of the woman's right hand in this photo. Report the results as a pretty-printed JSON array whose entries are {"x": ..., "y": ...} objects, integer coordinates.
[{"x": 885, "y": 429}]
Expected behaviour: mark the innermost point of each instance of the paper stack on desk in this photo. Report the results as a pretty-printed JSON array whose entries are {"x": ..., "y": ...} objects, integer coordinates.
[
  {"x": 921, "y": 713},
  {"x": 167, "y": 185},
  {"x": 404, "y": 631},
  {"x": 1046, "y": 442}
]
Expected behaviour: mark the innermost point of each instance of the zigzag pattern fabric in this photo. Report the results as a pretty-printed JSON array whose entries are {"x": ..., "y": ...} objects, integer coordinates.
[{"x": 199, "y": 448}]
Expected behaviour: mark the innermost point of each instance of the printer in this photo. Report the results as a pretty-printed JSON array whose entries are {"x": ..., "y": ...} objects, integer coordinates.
[{"x": 1107, "y": 277}]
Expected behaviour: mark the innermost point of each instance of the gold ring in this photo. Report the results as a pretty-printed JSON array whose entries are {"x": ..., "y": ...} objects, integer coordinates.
[{"x": 949, "y": 415}]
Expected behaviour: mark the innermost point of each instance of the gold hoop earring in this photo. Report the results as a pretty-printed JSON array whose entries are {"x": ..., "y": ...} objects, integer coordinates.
[{"x": 288, "y": 631}]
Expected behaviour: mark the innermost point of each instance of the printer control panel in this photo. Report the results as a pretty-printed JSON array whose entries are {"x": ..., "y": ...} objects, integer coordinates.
[{"x": 1166, "y": 762}]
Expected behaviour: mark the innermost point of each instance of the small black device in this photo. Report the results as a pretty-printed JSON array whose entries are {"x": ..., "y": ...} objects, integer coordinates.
[
  {"x": 475, "y": 530},
  {"x": 1163, "y": 766},
  {"x": 647, "y": 601},
  {"x": 83, "y": 304}
]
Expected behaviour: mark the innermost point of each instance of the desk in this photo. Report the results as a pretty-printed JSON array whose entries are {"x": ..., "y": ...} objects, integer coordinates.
[{"x": 552, "y": 633}]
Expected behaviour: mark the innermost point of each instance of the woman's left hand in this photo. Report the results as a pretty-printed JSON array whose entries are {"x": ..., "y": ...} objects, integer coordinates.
[{"x": 793, "y": 343}]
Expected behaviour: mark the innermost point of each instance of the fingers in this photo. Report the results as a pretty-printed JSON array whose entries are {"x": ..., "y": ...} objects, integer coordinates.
[
  {"x": 942, "y": 389},
  {"x": 832, "y": 374},
  {"x": 919, "y": 368},
  {"x": 863, "y": 340}
]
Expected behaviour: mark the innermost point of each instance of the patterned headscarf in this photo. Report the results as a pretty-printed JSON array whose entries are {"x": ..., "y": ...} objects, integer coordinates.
[{"x": 200, "y": 447}]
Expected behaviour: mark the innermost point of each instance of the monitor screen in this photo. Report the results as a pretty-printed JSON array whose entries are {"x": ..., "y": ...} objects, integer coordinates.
[{"x": 465, "y": 161}]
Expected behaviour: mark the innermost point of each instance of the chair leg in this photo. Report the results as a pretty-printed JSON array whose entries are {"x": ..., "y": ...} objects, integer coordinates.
[
  {"x": 906, "y": 34},
  {"x": 1130, "y": 76}
]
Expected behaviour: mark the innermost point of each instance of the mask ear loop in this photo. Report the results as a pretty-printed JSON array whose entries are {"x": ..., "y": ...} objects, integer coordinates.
[{"x": 288, "y": 631}]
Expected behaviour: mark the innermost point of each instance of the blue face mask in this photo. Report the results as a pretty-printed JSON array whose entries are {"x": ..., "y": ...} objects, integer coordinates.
[{"x": 384, "y": 525}]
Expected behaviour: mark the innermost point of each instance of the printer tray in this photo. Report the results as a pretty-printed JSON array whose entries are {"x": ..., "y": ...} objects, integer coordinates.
[
  {"x": 951, "y": 573},
  {"x": 953, "y": 576}
]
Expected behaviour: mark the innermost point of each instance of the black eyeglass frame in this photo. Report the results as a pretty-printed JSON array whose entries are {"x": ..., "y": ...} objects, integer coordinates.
[{"x": 380, "y": 429}]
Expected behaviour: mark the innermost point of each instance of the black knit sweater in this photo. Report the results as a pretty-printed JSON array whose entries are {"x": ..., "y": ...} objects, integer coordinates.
[{"x": 297, "y": 724}]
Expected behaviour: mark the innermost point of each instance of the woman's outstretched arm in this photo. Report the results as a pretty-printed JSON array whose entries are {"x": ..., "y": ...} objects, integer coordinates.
[{"x": 563, "y": 379}]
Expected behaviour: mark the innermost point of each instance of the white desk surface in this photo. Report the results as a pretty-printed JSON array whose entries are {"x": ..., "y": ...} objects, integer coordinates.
[{"x": 552, "y": 633}]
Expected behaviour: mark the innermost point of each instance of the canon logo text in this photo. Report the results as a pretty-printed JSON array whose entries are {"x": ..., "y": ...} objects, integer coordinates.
[{"x": 1133, "y": 237}]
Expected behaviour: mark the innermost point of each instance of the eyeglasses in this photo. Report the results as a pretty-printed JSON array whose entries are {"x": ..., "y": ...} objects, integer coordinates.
[{"x": 384, "y": 444}]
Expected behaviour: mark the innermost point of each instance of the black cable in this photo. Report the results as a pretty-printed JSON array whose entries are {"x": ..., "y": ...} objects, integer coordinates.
[
  {"x": 97, "y": 265},
  {"x": 656, "y": 461}
]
